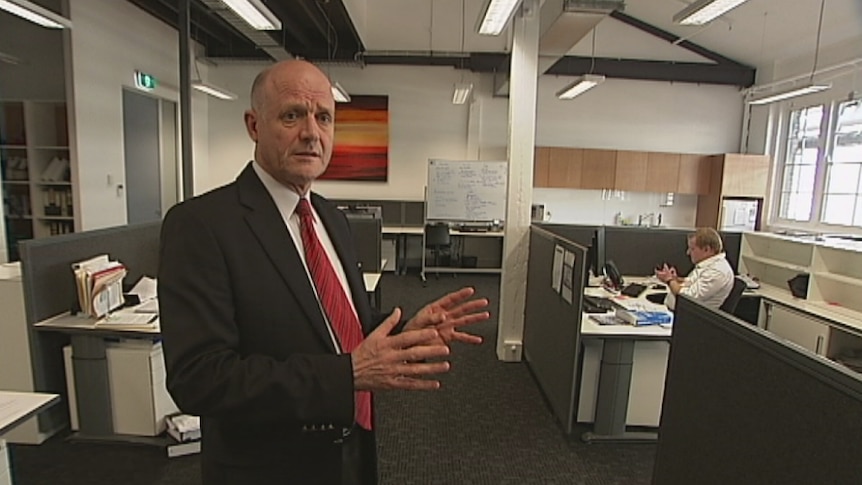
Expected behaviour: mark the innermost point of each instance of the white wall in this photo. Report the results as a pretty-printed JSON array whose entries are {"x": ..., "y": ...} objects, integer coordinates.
[
  {"x": 106, "y": 48},
  {"x": 637, "y": 115},
  {"x": 600, "y": 207}
]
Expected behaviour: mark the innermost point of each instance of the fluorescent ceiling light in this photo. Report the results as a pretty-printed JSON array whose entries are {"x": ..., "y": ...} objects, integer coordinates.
[
  {"x": 36, "y": 14},
  {"x": 581, "y": 84},
  {"x": 496, "y": 15},
  {"x": 214, "y": 90},
  {"x": 461, "y": 93},
  {"x": 792, "y": 93},
  {"x": 339, "y": 93},
  {"x": 255, "y": 13},
  {"x": 704, "y": 11}
]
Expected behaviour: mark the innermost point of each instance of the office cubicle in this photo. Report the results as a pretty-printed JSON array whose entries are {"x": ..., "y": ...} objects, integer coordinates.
[
  {"x": 744, "y": 406},
  {"x": 367, "y": 235},
  {"x": 49, "y": 289},
  {"x": 552, "y": 325}
]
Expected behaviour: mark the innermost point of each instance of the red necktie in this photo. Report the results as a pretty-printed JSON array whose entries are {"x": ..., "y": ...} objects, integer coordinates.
[{"x": 335, "y": 304}]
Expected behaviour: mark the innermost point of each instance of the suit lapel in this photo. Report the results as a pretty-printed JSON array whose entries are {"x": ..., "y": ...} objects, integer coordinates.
[{"x": 266, "y": 223}]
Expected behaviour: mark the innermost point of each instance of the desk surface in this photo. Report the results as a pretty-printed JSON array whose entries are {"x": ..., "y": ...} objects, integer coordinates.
[
  {"x": 591, "y": 329},
  {"x": 80, "y": 324},
  {"x": 419, "y": 230},
  {"x": 839, "y": 316},
  {"x": 16, "y": 407}
]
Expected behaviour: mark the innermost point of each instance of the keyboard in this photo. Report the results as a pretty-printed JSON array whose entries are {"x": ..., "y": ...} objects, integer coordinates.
[{"x": 633, "y": 290}]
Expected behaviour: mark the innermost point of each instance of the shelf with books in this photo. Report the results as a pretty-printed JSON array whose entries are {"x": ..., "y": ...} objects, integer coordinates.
[{"x": 36, "y": 169}]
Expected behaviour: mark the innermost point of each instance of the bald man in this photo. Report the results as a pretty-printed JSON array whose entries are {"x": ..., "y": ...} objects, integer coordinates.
[{"x": 268, "y": 332}]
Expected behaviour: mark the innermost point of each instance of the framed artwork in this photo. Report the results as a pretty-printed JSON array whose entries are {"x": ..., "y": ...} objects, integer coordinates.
[{"x": 361, "y": 151}]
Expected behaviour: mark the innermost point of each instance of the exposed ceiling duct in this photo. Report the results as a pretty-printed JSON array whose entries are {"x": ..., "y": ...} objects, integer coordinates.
[
  {"x": 261, "y": 39},
  {"x": 562, "y": 24}
]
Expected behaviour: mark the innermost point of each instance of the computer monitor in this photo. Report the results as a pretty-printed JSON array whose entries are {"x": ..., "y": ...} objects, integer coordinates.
[{"x": 744, "y": 406}]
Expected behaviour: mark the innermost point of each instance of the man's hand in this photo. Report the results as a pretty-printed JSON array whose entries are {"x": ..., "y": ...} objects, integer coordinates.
[
  {"x": 448, "y": 314},
  {"x": 666, "y": 274},
  {"x": 384, "y": 361}
]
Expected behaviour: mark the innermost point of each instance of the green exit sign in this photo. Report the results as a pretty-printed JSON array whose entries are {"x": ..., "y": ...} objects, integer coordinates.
[{"x": 145, "y": 81}]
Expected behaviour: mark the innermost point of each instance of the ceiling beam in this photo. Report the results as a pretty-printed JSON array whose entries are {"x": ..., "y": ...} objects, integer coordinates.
[{"x": 689, "y": 72}]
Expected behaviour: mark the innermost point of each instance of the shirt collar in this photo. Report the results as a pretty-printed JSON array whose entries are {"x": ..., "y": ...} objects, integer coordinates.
[
  {"x": 285, "y": 198},
  {"x": 710, "y": 260}
]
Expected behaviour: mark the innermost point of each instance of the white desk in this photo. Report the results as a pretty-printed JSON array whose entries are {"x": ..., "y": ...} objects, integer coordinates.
[
  {"x": 15, "y": 408},
  {"x": 622, "y": 375},
  {"x": 401, "y": 234}
]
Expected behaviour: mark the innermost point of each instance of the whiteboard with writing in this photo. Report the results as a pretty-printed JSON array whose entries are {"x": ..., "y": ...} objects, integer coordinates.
[{"x": 466, "y": 190}]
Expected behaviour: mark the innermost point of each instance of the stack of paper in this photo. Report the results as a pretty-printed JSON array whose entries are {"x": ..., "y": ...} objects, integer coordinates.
[
  {"x": 643, "y": 312},
  {"x": 186, "y": 429},
  {"x": 99, "y": 282}
]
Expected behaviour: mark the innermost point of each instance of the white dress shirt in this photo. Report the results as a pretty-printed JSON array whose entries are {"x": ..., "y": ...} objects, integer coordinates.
[
  {"x": 286, "y": 200},
  {"x": 709, "y": 282}
]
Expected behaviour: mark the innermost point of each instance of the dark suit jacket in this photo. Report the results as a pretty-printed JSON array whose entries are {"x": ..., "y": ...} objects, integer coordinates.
[{"x": 246, "y": 345}]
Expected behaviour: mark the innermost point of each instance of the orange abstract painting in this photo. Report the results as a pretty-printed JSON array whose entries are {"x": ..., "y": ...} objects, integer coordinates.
[{"x": 361, "y": 150}]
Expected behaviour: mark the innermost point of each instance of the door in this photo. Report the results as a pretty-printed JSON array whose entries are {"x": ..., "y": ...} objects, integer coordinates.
[{"x": 142, "y": 149}]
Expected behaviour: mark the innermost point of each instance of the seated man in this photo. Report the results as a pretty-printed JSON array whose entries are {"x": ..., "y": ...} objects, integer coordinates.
[{"x": 712, "y": 277}]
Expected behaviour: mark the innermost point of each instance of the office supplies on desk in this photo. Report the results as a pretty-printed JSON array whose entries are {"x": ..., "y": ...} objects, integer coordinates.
[
  {"x": 609, "y": 319},
  {"x": 99, "y": 283},
  {"x": 595, "y": 304}
]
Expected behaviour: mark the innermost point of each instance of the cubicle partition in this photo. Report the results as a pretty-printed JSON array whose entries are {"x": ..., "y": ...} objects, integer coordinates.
[
  {"x": 744, "y": 406},
  {"x": 637, "y": 250},
  {"x": 49, "y": 289},
  {"x": 367, "y": 233},
  {"x": 552, "y": 323}
]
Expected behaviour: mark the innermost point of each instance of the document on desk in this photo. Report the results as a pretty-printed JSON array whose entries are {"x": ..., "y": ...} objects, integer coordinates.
[
  {"x": 99, "y": 284},
  {"x": 128, "y": 320}
]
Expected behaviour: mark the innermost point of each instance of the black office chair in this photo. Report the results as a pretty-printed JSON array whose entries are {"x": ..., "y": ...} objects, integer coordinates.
[
  {"x": 437, "y": 240},
  {"x": 732, "y": 300}
]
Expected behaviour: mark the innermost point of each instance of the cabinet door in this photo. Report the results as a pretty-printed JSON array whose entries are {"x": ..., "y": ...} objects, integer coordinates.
[
  {"x": 564, "y": 168},
  {"x": 541, "y": 166},
  {"x": 662, "y": 172},
  {"x": 631, "y": 171},
  {"x": 599, "y": 169},
  {"x": 745, "y": 175},
  {"x": 693, "y": 174},
  {"x": 798, "y": 328}
]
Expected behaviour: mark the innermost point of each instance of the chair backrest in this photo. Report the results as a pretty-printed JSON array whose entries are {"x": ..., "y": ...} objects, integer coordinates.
[
  {"x": 436, "y": 234},
  {"x": 729, "y": 305}
]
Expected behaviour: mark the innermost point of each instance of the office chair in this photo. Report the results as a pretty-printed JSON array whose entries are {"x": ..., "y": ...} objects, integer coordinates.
[
  {"x": 732, "y": 300},
  {"x": 437, "y": 239}
]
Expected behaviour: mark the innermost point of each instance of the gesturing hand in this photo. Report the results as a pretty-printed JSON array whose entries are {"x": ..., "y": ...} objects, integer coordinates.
[
  {"x": 666, "y": 273},
  {"x": 448, "y": 314},
  {"x": 384, "y": 361}
]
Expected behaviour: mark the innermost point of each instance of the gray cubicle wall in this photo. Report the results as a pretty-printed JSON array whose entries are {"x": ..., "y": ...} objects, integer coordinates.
[
  {"x": 552, "y": 326},
  {"x": 49, "y": 289},
  {"x": 395, "y": 212}
]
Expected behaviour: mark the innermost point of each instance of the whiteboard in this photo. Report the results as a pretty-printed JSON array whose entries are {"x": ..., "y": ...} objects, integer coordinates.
[{"x": 466, "y": 190}]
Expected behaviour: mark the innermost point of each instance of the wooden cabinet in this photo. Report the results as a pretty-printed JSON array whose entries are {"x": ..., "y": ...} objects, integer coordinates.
[
  {"x": 744, "y": 175},
  {"x": 797, "y": 328},
  {"x": 541, "y": 166},
  {"x": 599, "y": 169},
  {"x": 662, "y": 171},
  {"x": 733, "y": 175},
  {"x": 565, "y": 165},
  {"x": 631, "y": 171},
  {"x": 694, "y": 171}
]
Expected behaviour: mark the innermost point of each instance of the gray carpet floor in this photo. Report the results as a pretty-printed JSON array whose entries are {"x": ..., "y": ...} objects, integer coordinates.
[{"x": 488, "y": 424}]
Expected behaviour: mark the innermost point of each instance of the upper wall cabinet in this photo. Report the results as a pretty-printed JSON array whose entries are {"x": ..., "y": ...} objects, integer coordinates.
[
  {"x": 744, "y": 175},
  {"x": 634, "y": 171}
]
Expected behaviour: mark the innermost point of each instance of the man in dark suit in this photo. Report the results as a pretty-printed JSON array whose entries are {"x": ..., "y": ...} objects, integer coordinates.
[{"x": 268, "y": 332}]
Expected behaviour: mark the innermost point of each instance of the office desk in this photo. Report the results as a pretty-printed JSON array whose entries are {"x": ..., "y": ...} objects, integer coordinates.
[
  {"x": 15, "y": 408},
  {"x": 402, "y": 233},
  {"x": 623, "y": 346},
  {"x": 90, "y": 370}
]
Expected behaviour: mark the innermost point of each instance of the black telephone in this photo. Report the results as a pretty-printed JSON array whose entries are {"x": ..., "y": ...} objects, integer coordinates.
[{"x": 612, "y": 273}]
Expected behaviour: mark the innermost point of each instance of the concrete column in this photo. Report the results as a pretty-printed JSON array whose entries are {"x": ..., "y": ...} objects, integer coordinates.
[{"x": 521, "y": 141}]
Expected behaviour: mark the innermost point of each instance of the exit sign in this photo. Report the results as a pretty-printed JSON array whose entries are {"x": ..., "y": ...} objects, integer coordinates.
[{"x": 145, "y": 81}]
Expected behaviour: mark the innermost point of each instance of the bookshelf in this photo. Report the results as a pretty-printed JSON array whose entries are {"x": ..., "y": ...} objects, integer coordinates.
[
  {"x": 829, "y": 320},
  {"x": 35, "y": 171}
]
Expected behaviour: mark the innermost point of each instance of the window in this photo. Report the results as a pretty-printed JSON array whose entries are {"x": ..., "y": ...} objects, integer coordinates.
[
  {"x": 803, "y": 151},
  {"x": 821, "y": 178},
  {"x": 842, "y": 198}
]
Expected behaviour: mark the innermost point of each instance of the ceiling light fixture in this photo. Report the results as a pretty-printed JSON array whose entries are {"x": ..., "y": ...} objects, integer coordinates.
[
  {"x": 36, "y": 14},
  {"x": 791, "y": 93},
  {"x": 339, "y": 93},
  {"x": 810, "y": 87},
  {"x": 461, "y": 93},
  {"x": 705, "y": 11},
  {"x": 214, "y": 91},
  {"x": 496, "y": 15},
  {"x": 580, "y": 86},
  {"x": 255, "y": 13}
]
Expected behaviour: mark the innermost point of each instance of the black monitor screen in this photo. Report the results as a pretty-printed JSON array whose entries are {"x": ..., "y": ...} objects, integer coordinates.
[{"x": 743, "y": 406}]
